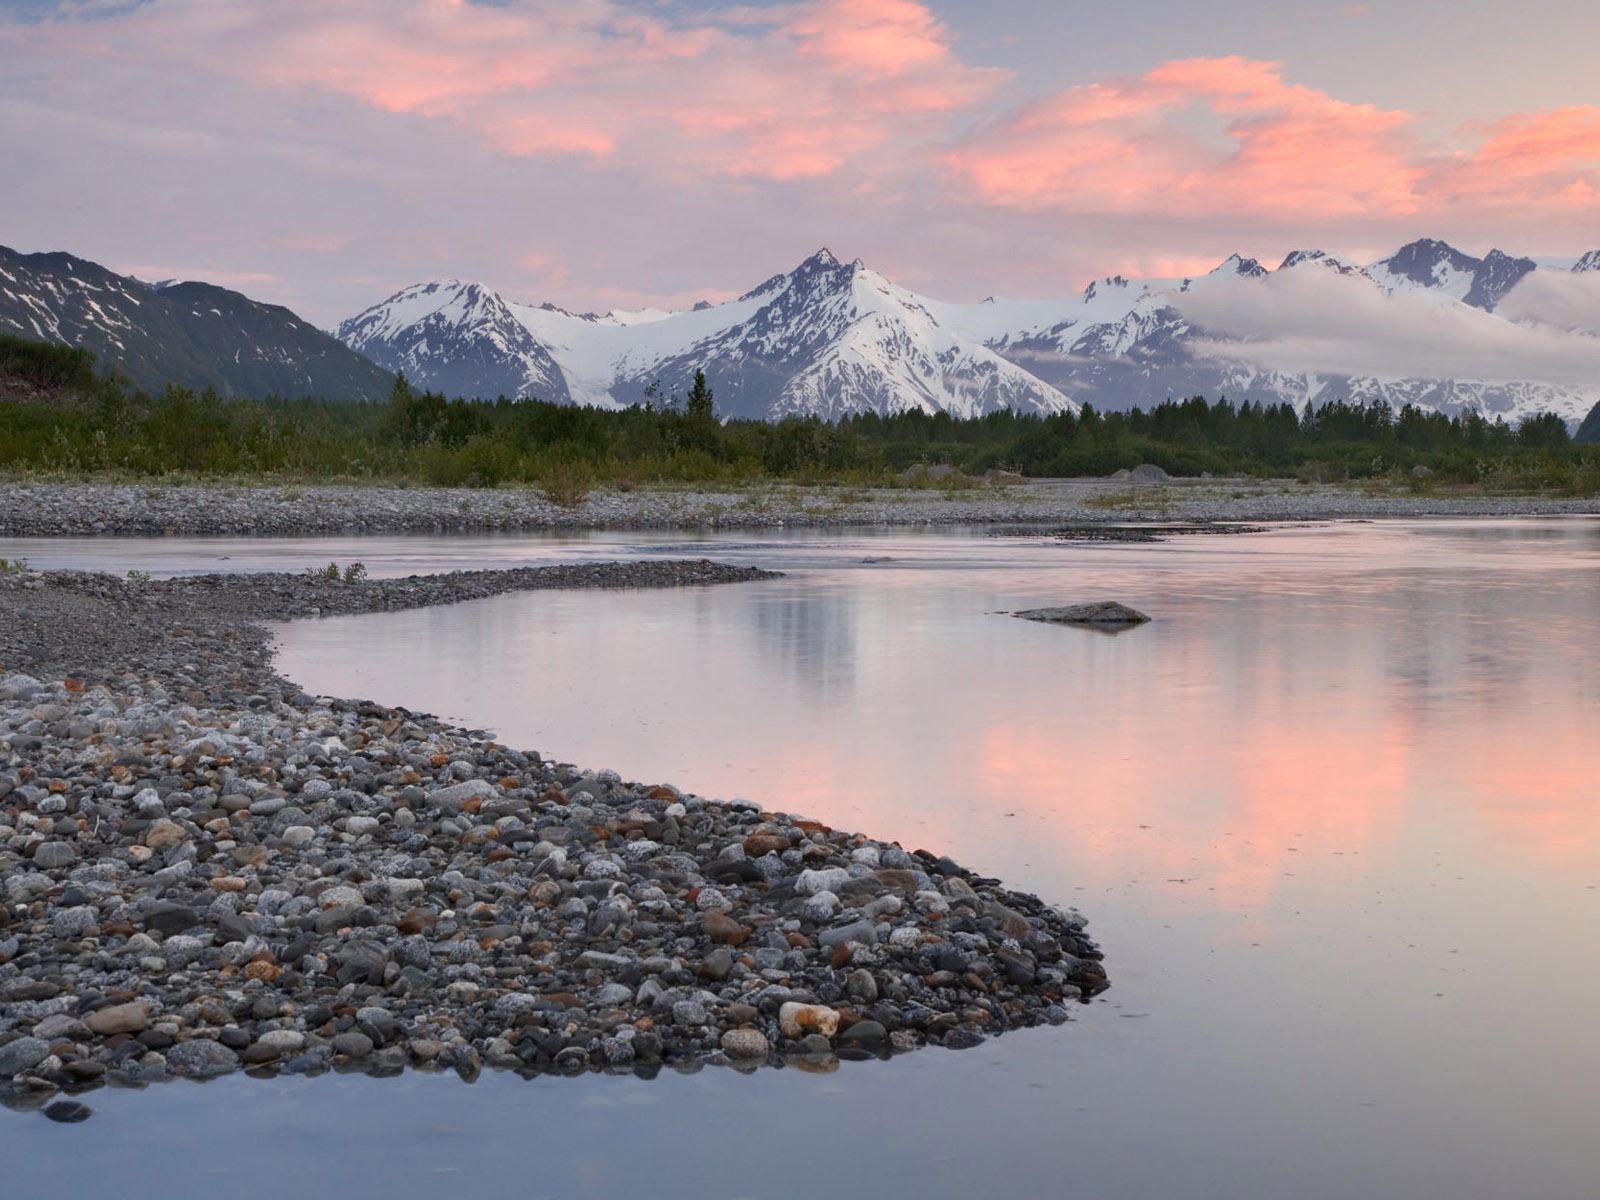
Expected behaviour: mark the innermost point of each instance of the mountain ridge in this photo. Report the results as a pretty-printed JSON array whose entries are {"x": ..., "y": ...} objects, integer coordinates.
[{"x": 196, "y": 335}]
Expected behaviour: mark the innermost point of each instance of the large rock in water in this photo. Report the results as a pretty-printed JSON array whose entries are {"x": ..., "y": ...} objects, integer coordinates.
[{"x": 1102, "y": 614}]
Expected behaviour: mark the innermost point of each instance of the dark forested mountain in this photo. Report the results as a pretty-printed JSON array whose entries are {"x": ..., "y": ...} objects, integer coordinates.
[
  {"x": 193, "y": 334},
  {"x": 1589, "y": 430}
]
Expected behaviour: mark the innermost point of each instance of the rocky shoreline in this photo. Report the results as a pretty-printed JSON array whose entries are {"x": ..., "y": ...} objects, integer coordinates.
[
  {"x": 203, "y": 869},
  {"x": 153, "y": 510}
]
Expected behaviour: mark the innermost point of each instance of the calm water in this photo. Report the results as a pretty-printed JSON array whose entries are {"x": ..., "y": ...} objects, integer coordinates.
[{"x": 1334, "y": 815}]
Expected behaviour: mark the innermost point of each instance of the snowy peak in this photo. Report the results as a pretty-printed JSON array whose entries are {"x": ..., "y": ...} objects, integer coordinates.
[
  {"x": 828, "y": 339},
  {"x": 1320, "y": 258},
  {"x": 1589, "y": 262},
  {"x": 1098, "y": 286},
  {"x": 1427, "y": 263},
  {"x": 1497, "y": 275},
  {"x": 458, "y": 338},
  {"x": 1435, "y": 266},
  {"x": 1236, "y": 264}
]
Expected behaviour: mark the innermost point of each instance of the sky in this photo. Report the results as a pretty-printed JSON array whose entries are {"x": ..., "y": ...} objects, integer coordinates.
[{"x": 623, "y": 153}]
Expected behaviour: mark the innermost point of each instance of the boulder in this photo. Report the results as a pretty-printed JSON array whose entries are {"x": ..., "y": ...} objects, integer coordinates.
[{"x": 1100, "y": 614}]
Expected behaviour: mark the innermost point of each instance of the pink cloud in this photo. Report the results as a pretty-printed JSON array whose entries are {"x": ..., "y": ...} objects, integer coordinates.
[
  {"x": 793, "y": 91},
  {"x": 1229, "y": 136},
  {"x": 1544, "y": 159}
]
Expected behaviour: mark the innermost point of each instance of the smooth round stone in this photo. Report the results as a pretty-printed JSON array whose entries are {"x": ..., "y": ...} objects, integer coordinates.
[
  {"x": 22, "y": 1055},
  {"x": 60, "y": 1025},
  {"x": 864, "y": 932},
  {"x": 689, "y": 1012},
  {"x": 68, "y": 1112},
  {"x": 201, "y": 1059},
  {"x": 962, "y": 1038},
  {"x": 613, "y": 994},
  {"x": 132, "y": 1017},
  {"x": 353, "y": 1045},
  {"x": 342, "y": 897},
  {"x": 746, "y": 1044},
  {"x": 52, "y": 856},
  {"x": 282, "y": 1041},
  {"x": 869, "y": 1034},
  {"x": 811, "y": 882},
  {"x": 862, "y": 986},
  {"x": 298, "y": 835}
]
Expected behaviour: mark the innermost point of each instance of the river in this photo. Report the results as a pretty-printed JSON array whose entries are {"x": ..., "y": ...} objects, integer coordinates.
[{"x": 1334, "y": 815}]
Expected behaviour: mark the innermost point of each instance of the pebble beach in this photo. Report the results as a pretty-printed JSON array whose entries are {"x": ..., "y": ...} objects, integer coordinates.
[
  {"x": 205, "y": 870},
  {"x": 154, "y": 510}
]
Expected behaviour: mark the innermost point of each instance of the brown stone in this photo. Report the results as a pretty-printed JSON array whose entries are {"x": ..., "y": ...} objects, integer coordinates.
[
  {"x": 228, "y": 883},
  {"x": 900, "y": 880},
  {"x": 796, "y": 1020},
  {"x": 133, "y": 1017},
  {"x": 163, "y": 834},
  {"x": 418, "y": 920},
  {"x": 1013, "y": 923},
  {"x": 265, "y": 971},
  {"x": 758, "y": 844},
  {"x": 499, "y": 854},
  {"x": 720, "y": 927},
  {"x": 797, "y": 940}
]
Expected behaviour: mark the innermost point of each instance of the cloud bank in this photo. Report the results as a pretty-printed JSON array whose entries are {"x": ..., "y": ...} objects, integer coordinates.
[{"x": 1308, "y": 319}]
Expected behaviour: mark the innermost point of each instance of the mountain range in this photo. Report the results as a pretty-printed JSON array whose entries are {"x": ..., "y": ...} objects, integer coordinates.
[
  {"x": 830, "y": 338},
  {"x": 196, "y": 335}
]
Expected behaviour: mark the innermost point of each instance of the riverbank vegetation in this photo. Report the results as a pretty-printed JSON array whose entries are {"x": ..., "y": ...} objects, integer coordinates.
[{"x": 60, "y": 416}]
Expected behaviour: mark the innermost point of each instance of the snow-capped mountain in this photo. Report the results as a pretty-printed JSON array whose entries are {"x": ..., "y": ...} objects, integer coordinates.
[
  {"x": 458, "y": 338},
  {"x": 1321, "y": 258},
  {"x": 1439, "y": 269},
  {"x": 826, "y": 339},
  {"x": 830, "y": 338}
]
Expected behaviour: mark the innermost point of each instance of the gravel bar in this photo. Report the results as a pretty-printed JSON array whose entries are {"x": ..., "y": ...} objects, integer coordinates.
[
  {"x": 203, "y": 869},
  {"x": 57, "y": 510}
]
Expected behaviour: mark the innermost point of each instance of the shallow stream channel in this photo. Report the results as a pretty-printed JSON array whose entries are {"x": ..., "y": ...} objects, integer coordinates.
[{"x": 1333, "y": 814}]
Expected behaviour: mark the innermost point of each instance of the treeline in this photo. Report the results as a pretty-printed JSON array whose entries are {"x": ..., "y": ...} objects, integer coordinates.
[{"x": 95, "y": 424}]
